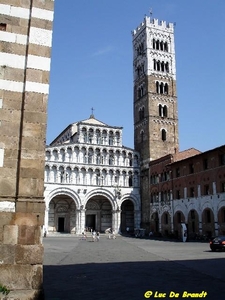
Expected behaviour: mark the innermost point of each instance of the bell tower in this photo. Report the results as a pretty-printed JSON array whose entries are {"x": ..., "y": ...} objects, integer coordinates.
[{"x": 155, "y": 95}]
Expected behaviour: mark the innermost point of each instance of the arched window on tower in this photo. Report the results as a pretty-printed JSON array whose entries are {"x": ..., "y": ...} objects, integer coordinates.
[
  {"x": 166, "y": 88},
  {"x": 160, "y": 110},
  {"x": 153, "y": 43},
  {"x": 161, "y": 88},
  {"x": 154, "y": 64},
  {"x": 162, "y": 66},
  {"x": 167, "y": 67},
  {"x": 163, "y": 135},
  {"x": 157, "y": 45},
  {"x": 158, "y": 65},
  {"x": 157, "y": 87},
  {"x": 141, "y": 113},
  {"x": 161, "y": 45},
  {"x": 166, "y": 46},
  {"x": 142, "y": 136},
  {"x": 164, "y": 111}
]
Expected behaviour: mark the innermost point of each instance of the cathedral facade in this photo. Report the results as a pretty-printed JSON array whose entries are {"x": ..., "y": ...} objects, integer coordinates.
[{"x": 91, "y": 180}]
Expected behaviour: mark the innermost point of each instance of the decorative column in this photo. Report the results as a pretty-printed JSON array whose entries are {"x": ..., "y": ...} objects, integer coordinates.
[
  {"x": 216, "y": 224},
  {"x": 45, "y": 227},
  {"x": 114, "y": 220},
  {"x": 82, "y": 219},
  {"x": 119, "y": 220}
]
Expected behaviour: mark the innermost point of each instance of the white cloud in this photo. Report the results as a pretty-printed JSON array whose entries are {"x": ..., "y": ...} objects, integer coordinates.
[{"x": 103, "y": 51}]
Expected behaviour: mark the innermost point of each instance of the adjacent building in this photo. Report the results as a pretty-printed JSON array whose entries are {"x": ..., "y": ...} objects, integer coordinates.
[
  {"x": 189, "y": 188},
  {"x": 91, "y": 180}
]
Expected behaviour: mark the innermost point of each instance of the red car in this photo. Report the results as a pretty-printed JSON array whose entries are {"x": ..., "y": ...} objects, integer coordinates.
[{"x": 217, "y": 243}]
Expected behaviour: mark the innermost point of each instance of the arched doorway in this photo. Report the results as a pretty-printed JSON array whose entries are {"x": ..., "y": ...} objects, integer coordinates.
[
  {"x": 208, "y": 227},
  {"x": 193, "y": 224},
  {"x": 178, "y": 219},
  {"x": 127, "y": 216},
  {"x": 155, "y": 223},
  {"x": 165, "y": 224},
  {"x": 98, "y": 214},
  {"x": 62, "y": 214}
]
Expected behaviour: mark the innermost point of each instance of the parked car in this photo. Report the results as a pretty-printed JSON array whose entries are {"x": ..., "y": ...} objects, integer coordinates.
[{"x": 217, "y": 243}]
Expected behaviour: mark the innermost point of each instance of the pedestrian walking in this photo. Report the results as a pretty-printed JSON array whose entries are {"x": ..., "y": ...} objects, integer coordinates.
[
  {"x": 94, "y": 236},
  {"x": 128, "y": 229},
  {"x": 98, "y": 236}
]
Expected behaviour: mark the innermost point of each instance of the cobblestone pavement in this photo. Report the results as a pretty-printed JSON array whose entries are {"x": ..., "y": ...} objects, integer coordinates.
[{"x": 126, "y": 268}]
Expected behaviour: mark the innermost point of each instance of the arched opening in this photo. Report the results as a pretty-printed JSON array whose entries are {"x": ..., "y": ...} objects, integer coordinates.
[
  {"x": 163, "y": 135},
  {"x": 154, "y": 227},
  {"x": 62, "y": 214},
  {"x": 208, "y": 223},
  {"x": 98, "y": 214},
  {"x": 177, "y": 220},
  {"x": 127, "y": 216},
  {"x": 193, "y": 224},
  {"x": 166, "y": 224},
  {"x": 221, "y": 221}
]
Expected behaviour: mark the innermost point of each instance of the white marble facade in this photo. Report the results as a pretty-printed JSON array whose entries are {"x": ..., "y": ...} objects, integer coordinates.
[{"x": 91, "y": 180}]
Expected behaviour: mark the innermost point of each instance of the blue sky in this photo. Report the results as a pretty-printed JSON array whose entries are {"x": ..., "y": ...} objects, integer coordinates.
[{"x": 92, "y": 63}]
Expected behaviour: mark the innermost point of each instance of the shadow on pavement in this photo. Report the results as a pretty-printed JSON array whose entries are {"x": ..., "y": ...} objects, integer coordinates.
[{"x": 128, "y": 281}]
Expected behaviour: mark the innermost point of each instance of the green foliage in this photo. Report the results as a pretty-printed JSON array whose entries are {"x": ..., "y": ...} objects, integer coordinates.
[{"x": 4, "y": 290}]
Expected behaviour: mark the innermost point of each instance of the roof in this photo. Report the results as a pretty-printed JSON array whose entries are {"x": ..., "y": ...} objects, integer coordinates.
[{"x": 185, "y": 154}]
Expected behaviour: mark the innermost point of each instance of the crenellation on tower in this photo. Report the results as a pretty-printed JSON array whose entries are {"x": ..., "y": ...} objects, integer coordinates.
[{"x": 153, "y": 23}]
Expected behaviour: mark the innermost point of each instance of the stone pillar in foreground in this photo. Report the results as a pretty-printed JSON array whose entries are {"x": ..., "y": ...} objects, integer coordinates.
[{"x": 25, "y": 51}]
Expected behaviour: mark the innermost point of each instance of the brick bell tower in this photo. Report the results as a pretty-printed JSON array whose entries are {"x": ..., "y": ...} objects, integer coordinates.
[
  {"x": 155, "y": 96},
  {"x": 155, "y": 99}
]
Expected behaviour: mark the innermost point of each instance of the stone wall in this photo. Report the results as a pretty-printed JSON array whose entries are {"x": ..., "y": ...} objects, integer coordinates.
[{"x": 25, "y": 48}]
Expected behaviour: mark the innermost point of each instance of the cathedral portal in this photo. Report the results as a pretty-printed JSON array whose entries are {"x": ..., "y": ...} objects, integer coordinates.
[
  {"x": 62, "y": 214},
  {"x": 127, "y": 216},
  {"x": 98, "y": 214}
]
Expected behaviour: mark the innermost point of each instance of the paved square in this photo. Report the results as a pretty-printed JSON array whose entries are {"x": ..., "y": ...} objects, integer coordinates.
[{"x": 126, "y": 268}]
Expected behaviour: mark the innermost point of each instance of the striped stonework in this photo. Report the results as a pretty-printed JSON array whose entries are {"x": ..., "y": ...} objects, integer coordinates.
[{"x": 25, "y": 57}]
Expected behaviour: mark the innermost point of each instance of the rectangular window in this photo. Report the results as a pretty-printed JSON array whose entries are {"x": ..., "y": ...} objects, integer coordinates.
[
  {"x": 206, "y": 189},
  {"x": 205, "y": 164},
  {"x": 191, "y": 168},
  {"x": 222, "y": 187},
  {"x": 222, "y": 159},
  {"x": 178, "y": 194},
  {"x": 192, "y": 192},
  {"x": 2, "y": 26},
  {"x": 177, "y": 172}
]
